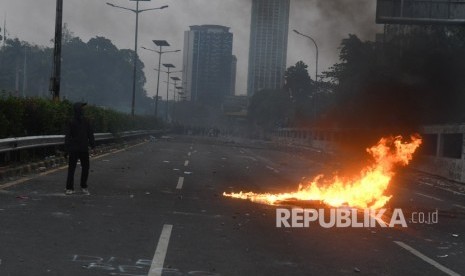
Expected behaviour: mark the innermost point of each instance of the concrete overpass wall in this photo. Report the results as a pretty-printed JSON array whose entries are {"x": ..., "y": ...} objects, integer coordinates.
[{"x": 442, "y": 152}]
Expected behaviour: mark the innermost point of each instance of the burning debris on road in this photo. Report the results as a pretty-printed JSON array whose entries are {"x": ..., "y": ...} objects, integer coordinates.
[{"x": 364, "y": 191}]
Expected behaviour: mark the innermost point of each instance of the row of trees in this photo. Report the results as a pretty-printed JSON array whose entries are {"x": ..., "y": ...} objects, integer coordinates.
[
  {"x": 38, "y": 116},
  {"x": 95, "y": 71},
  {"x": 414, "y": 75}
]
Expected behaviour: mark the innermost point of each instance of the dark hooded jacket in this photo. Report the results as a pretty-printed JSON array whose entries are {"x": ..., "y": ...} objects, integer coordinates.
[{"x": 79, "y": 133}]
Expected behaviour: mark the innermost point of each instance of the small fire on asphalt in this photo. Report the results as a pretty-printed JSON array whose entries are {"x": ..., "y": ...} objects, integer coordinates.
[{"x": 365, "y": 191}]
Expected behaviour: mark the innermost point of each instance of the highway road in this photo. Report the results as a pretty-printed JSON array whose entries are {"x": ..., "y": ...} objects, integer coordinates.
[{"x": 156, "y": 208}]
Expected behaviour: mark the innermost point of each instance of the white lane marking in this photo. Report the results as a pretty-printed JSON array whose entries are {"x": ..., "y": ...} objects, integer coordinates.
[
  {"x": 460, "y": 206},
  {"x": 180, "y": 182},
  {"x": 426, "y": 259},
  {"x": 250, "y": 157},
  {"x": 273, "y": 169},
  {"x": 445, "y": 189},
  {"x": 191, "y": 147},
  {"x": 186, "y": 163},
  {"x": 100, "y": 156},
  {"x": 189, "y": 153},
  {"x": 428, "y": 196},
  {"x": 156, "y": 268},
  {"x": 25, "y": 179},
  {"x": 19, "y": 181},
  {"x": 120, "y": 150},
  {"x": 197, "y": 214},
  {"x": 54, "y": 170}
]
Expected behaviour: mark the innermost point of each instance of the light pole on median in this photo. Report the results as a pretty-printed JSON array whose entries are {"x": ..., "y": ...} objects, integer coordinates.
[
  {"x": 180, "y": 92},
  {"x": 159, "y": 43},
  {"x": 175, "y": 79},
  {"x": 316, "y": 71},
  {"x": 316, "y": 46},
  {"x": 168, "y": 72},
  {"x": 56, "y": 77},
  {"x": 136, "y": 11}
]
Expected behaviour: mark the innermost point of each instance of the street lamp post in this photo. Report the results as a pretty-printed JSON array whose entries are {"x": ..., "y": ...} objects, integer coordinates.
[
  {"x": 180, "y": 92},
  {"x": 168, "y": 72},
  {"x": 316, "y": 71},
  {"x": 136, "y": 11},
  {"x": 175, "y": 79},
  {"x": 316, "y": 46},
  {"x": 159, "y": 43},
  {"x": 56, "y": 77}
]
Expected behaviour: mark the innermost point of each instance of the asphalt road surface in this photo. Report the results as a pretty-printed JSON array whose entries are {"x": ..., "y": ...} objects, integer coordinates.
[{"x": 157, "y": 209}]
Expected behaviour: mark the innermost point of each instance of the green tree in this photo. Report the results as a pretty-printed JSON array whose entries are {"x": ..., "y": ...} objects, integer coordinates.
[
  {"x": 303, "y": 93},
  {"x": 269, "y": 109},
  {"x": 414, "y": 77},
  {"x": 95, "y": 71}
]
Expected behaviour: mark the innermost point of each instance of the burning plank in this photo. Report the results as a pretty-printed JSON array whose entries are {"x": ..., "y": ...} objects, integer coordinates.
[{"x": 367, "y": 190}]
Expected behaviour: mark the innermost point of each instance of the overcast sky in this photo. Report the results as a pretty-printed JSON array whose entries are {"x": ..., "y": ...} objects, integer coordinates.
[{"x": 327, "y": 21}]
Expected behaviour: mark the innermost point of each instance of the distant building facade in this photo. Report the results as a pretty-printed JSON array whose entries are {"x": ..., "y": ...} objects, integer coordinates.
[
  {"x": 233, "y": 75},
  {"x": 207, "y": 64},
  {"x": 268, "y": 44}
]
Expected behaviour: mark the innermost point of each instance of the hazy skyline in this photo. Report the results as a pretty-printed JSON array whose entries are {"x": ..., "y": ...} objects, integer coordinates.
[{"x": 327, "y": 21}]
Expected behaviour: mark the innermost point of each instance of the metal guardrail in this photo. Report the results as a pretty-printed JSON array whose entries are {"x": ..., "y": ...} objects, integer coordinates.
[{"x": 28, "y": 142}]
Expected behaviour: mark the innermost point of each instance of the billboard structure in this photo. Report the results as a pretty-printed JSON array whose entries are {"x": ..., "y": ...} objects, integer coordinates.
[{"x": 451, "y": 12}]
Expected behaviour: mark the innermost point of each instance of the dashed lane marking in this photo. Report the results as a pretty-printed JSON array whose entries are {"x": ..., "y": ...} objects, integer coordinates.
[
  {"x": 156, "y": 268},
  {"x": 186, "y": 163},
  {"x": 426, "y": 259},
  {"x": 180, "y": 183}
]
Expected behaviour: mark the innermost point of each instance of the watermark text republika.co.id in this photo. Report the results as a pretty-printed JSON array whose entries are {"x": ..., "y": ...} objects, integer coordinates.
[{"x": 350, "y": 217}]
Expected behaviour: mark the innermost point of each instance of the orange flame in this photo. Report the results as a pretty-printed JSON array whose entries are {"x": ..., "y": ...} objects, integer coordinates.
[{"x": 364, "y": 191}]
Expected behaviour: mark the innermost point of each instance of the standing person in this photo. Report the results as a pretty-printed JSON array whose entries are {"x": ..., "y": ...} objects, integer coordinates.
[{"x": 79, "y": 136}]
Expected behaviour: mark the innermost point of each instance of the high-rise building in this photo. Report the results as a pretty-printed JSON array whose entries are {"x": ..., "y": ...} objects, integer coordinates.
[
  {"x": 233, "y": 75},
  {"x": 207, "y": 63},
  {"x": 268, "y": 44}
]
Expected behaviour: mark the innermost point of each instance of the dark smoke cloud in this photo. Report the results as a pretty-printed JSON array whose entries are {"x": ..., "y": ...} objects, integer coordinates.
[{"x": 328, "y": 22}]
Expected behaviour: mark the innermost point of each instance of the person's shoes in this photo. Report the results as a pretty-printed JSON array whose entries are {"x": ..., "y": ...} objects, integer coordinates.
[
  {"x": 69, "y": 192},
  {"x": 85, "y": 191}
]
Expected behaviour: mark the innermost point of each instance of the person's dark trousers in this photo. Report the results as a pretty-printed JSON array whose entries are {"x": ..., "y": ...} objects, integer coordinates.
[{"x": 73, "y": 158}]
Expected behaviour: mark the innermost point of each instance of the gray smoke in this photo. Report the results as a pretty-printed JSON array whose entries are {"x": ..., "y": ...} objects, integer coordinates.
[{"x": 328, "y": 21}]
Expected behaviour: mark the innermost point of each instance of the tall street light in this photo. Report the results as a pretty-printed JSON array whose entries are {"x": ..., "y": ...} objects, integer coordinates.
[
  {"x": 168, "y": 68},
  {"x": 316, "y": 46},
  {"x": 56, "y": 77},
  {"x": 159, "y": 43},
  {"x": 316, "y": 72},
  {"x": 180, "y": 92},
  {"x": 175, "y": 79},
  {"x": 136, "y": 11}
]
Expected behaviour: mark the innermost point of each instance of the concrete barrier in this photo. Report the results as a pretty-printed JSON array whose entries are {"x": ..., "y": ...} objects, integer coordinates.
[{"x": 442, "y": 152}]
